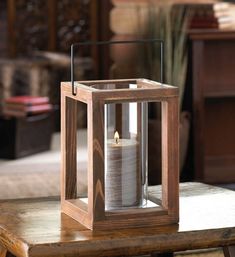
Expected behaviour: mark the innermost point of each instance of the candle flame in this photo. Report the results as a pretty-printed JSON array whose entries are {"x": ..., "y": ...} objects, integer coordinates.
[{"x": 116, "y": 137}]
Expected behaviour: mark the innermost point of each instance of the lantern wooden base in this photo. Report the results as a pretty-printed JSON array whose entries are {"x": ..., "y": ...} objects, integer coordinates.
[
  {"x": 93, "y": 215},
  {"x": 134, "y": 217}
]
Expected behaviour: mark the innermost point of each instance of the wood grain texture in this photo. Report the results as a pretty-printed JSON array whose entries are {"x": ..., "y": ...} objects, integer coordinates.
[
  {"x": 68, "y": 147},
  {"x": 69, "y": 116},
  {"x": 229, "y": 251},
  {"x": 82, "y": 95},
  {"x": 70, "y": 150},
  {"x": 170, "y": 156},
  {"x": 36, "y": 227},
  {"x": 62, "y": 142},
  {"x": 139, "y": 95},
  {"x": 3, "y": 251},
  {"x": 148, "y": 91},
  {"x": 77, "y": 212},
  {"x": 96, "y": 165}
]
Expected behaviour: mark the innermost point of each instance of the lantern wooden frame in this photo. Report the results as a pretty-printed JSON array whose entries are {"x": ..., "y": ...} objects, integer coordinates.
[{"x": 93, "y": 214}]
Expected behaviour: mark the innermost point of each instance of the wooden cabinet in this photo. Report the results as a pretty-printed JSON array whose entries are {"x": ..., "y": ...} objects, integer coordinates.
[{"x": 213, "y": 90}]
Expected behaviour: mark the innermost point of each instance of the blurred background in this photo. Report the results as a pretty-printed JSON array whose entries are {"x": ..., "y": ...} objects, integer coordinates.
[{"x": 199, "y": 58}]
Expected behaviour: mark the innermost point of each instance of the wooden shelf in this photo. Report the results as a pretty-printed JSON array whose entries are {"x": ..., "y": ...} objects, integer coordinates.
[
  {"x": 213, "y": 92},
  {"x": 220, "y": 94}
]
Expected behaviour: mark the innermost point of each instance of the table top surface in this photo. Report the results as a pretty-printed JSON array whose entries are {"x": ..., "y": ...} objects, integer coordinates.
[{"x": 36, "y": 227}]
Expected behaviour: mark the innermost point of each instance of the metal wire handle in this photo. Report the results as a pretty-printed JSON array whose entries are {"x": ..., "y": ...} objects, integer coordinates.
[{"x": 93, "y": 43}]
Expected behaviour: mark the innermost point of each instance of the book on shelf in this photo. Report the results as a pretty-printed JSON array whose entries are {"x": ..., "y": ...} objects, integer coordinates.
[
  {"x": 22, "y": 106},
  {"x": 27, "y": 100},
  {"x": 28, "y": 111},
  {"x": 220, "y": 15},
  {"x": 26, "y": 108}
]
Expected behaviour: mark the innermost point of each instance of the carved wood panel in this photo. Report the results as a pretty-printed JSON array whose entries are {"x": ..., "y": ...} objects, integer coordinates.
[
  {"x": 31, "y": 26},
  {"x": 73, "y": 22},
  {"x": 49, "y": 25},
  {"x": 3, "y": 28}
]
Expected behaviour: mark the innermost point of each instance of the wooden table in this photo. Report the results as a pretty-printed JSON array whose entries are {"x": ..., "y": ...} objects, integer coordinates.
[{"x": 36, "y": 227}]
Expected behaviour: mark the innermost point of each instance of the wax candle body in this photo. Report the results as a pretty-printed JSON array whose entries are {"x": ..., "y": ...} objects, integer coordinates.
[{"x": 122, "y": 175}]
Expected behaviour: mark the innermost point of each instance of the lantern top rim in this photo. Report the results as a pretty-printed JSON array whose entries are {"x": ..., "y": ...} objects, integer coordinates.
[
  {"x": 121, "y": 85},
  {"x": 120, "y": 90}
]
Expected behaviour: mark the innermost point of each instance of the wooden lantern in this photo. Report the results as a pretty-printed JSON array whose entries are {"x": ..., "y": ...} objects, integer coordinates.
[{"x": 117, "y": 157}]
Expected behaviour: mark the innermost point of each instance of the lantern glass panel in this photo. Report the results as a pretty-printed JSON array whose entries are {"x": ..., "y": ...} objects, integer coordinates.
[{"x": 125, "y": 155}]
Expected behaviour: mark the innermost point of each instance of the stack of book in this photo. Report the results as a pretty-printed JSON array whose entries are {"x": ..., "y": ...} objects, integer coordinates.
[
  {"x": 23, "y": 106},
  {"x": 220, "y": 15},
  {"x": 225, "y": 14}
]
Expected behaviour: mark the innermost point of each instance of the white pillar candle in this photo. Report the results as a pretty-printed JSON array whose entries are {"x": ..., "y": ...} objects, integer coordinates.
[{"x": 122, "y": 176}]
